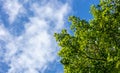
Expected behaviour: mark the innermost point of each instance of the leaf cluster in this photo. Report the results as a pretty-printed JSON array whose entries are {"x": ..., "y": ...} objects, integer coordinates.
[{"x": 95, "y": 45}]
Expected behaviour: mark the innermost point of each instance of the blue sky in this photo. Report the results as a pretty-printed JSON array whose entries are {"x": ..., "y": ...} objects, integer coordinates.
[{"x": 27, "y": 44}]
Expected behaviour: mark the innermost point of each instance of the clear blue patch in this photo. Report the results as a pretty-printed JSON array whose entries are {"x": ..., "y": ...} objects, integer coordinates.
[
  {"x": 3, "y": 16},
  {"x": 2, "y": 49},
  {"x": 81, "y": 8},
  {"x": 54, "y": 67},
  {"x": 17, "y": 27},
  {"x": 3, "y": 67}
]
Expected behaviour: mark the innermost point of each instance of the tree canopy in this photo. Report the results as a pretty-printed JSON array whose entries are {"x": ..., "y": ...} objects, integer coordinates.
[{"x": 95, "y": 45}]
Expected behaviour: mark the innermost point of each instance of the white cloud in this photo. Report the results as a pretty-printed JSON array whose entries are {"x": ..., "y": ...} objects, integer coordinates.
[
  {"x": 35, "y": 48},
  {"x": 4, "y": 33},
  {"x": 13, "y": 8}
]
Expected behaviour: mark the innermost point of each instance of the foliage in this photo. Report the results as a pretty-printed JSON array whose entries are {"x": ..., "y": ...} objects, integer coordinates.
[{"x": 95, "y": 45}]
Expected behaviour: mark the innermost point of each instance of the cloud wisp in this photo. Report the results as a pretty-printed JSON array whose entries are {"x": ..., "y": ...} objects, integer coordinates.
[{"x": 35, "y": 48}]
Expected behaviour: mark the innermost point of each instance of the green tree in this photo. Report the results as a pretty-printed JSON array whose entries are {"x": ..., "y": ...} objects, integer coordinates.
[{"x": 94, "y": 46}]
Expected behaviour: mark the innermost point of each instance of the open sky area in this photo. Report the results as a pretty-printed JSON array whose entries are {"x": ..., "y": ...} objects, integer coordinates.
[{"x": 27, "y": 27}]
